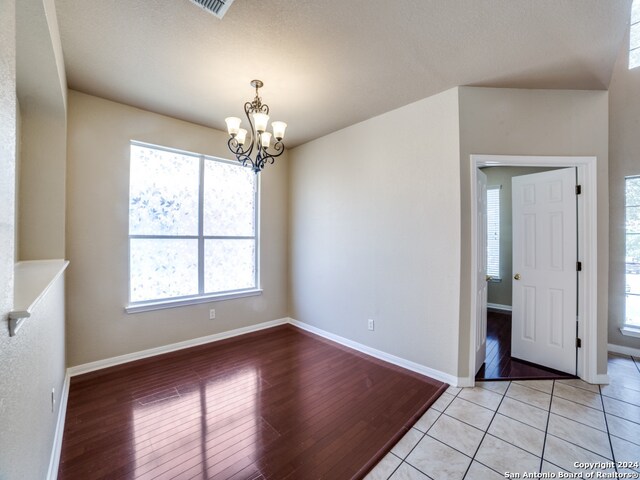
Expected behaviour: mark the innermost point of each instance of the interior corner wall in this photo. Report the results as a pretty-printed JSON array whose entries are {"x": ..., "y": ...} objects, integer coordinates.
[
  {"x": 374, "y": 232},
  {"x": 99, "y": 135},
  {"x": 624, "y": 152},
  {"x": 534, "y": 122}
]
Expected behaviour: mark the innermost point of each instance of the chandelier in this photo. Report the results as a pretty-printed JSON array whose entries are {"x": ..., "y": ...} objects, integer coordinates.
[{"x": 256, "y": 149}]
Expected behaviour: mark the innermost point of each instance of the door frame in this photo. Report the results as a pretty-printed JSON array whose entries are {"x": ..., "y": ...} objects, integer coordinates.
[{"x": 587, "y": 252}]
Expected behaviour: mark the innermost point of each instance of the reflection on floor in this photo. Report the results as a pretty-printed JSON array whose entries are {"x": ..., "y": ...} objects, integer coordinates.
[
  {"x": 499, "y": 364},
  {"x": 274, "y": 404},
  {"x": 548, "y": 426}
]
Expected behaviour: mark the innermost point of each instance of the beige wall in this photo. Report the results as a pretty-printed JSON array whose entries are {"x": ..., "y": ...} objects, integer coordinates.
[
  {"x": 33, "y": 361},
  {"x": 42, "y": 91},
  {"x": 41, "y": 197},
  {"x": 534, "y": 122},
  {"x": 97, "y": 229},
  {"x": 501, "y": 292},
  {"x": 373, "y": 209},
  {"x": 375, "y": 232},
  {"x": 624, "y": 152},
  {"x": 8, "y": 144}
]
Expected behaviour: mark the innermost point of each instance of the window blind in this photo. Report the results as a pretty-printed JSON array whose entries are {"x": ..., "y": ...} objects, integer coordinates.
[{"x": 493, "y": 231}]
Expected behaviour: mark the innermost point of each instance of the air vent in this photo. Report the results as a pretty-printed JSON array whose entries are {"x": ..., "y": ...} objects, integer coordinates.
[{"x": 217, "y": 7}]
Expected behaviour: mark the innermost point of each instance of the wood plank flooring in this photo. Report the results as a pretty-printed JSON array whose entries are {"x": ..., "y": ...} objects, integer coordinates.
[
  {"x": 499, "y": 365},
  {"x": 276, "y": 404}
]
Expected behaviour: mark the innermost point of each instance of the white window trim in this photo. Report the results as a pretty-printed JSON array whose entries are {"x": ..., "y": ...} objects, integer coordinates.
[
  {"x": 139, "y": 307},
  {"x": 173, "y": 302},
  {"x": 630, "y": 331}
]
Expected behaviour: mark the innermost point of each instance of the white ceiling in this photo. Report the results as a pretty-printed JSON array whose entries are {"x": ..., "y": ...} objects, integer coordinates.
[{"x": 331, "y": 63}]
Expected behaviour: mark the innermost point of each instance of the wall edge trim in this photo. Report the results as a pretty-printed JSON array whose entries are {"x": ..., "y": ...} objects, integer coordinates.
[
  {"x": 621, "y": 349},
  {"x": 152, "y": 352},
  {"x": 380, "y": 355},
  {"x": 56, "y": 449},
  {"x": 498, "y": 306}
]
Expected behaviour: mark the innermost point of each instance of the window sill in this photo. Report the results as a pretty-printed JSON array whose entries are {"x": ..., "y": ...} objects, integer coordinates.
[
  {"x": 630, "y": 331},
  {"x": 183, "y": 302}
]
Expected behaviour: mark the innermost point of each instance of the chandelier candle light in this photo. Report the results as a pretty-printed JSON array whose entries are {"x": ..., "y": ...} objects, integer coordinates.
[{"x": 258, "y": 116}]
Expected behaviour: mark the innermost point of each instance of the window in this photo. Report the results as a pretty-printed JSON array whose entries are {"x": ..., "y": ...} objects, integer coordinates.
[
  {"x": 493, "y": 232},
  {"x": 634, "y": 36},
  {"x": 632, "y": 261},
  {"x": 192, "y": 228}
]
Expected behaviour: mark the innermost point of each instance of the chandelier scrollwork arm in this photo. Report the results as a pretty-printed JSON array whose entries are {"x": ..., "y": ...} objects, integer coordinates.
[{"x": 242, "y": 143}]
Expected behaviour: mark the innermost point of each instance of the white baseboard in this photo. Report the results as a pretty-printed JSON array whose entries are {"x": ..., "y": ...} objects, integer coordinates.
[
  {"x": 130, "y": 357},
  {"x": 623, "y": 350},
  {"x": 497, "y": 306},
  {"x": 379, "y": 354},
  {"x": 54, "y": 461}
]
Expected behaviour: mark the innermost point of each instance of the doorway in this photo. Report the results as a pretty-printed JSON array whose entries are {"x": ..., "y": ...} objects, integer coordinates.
[
  {"x": 586, "y": 325},
  {"x": 550, "y": 232}
]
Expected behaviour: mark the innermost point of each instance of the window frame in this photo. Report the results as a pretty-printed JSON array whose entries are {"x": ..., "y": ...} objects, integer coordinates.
[
  {"x": 635, "y": 7},
  {"x": 201, "y": 296},
  {"x": 628, "y": 328},
  {"x": 497, "y": 277}
]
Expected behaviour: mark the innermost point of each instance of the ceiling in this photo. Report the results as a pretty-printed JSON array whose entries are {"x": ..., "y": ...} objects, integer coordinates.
[{"x": 331, "y": 63}]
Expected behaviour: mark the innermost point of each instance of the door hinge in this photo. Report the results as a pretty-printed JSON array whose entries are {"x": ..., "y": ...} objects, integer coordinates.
[
  {"x": 578, "y": 343},
  {"x": 578, "y": 189},
  {"x": 578, "y": 266}
]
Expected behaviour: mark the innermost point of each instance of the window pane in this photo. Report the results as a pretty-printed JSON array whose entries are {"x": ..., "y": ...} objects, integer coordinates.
[
  {"x": 632, "y": 253},
  {"x": 633, "y": 310},
  {"x": 633, "y": 220},
  {"x": 632, "y": 192},
  {"x": 634, "y": 36},
  {"x": 493, "y": 231},
  {"x": 163, "y": 196},
  {"x": 229, "y": 200},
  {"x": 163, "y": 268},
  {"x": 229, "y": 265},
  {"x": 634, "y": 58},
  {"x": 633, "y": 248}
]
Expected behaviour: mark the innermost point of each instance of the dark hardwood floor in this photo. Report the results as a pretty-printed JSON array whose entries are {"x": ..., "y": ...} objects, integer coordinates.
[
  {"x": 275, "y": 404},
  {"x": 499, "y": 365}
]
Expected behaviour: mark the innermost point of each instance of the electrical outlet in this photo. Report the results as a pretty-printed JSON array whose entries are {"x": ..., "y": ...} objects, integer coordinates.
[
  {"x": 212, "y": 314},
  {"x": 370, "y": 324},
  {"x": 53, "y": 399}
]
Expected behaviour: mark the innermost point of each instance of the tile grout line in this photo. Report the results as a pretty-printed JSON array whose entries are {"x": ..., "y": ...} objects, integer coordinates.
[
  {"x": 546, "y": 430},
  {"x": 606, "y": 422},
  {"x": 424, "y": 434},
  {"x": 553, "y": 394},
  {"x": 635, "y": 363},
  {"x": 473, "y": 458}
]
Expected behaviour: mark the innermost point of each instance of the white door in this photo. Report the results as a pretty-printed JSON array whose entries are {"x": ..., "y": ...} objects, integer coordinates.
[
  {"x": 481, "y": 271},
  {"x": 544, "y": 268}
]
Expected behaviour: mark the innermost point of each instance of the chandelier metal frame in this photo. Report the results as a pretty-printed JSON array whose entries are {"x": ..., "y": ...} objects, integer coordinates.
[{"x": 254, "y": 138}]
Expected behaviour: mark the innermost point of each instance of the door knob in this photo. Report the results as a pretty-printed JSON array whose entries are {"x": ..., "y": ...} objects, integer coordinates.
[
  {"x": 516, "y": 276},
  {"x": 488, "y": 278}
]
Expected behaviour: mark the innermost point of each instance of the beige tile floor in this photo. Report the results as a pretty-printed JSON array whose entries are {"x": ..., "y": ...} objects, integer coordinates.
[{"x": 524, "y": 426}]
